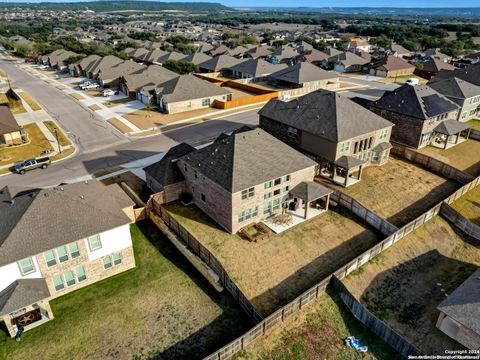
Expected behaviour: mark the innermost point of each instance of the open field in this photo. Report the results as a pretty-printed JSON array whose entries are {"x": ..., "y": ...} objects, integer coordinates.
[
  {"x": 62, "y": 139},
  {"x": 28, "y": 99},
  {"x": 119, "y": 125},
  {"x": 404, "y": 285},
  {"x": 36, "y": 145},
  {"x": 399, "y": 190},
  {"x": 318, "y": 332},
  {"x": 464, "y": 156},
  {"x": 474, "y": 123},
  {"x": 276, "y": 270},
  {"x": 161, "y": 308},
  {"x": 145, "y": 119},
  {"x": 469, "y": 205}
]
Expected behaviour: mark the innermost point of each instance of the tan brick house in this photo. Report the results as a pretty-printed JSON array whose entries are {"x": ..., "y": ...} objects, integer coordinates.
[{"x": 53, "y": 241}]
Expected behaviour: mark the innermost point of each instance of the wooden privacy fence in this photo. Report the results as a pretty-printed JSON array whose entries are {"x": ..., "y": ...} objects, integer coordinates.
[
  {"x": 460, "y": 221},
  {"x": 378, "y": 327},
  {"x": 203, "y": 253},
  {"x": 432, "y": 164},
  {"x": 310, "y": 295},
  {"x": 475, "y": 134},
  {"x": 220, "y": 104},
  {"x": 248, "y": 87},
  {"x": 371, "y": 218}
]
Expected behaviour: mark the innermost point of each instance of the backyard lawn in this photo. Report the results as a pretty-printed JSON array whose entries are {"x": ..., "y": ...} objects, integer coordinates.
[
  {"x": 404, "y": 285},
  {"x": 464, "y": 156},
  {"x": 38, "y": 143},
  {"x": 318, "y": 332},
  {"x": 274, "y": 271},
  {"x": 162, "y": 309},
  {"x": 475, "y": 124},
  {"x": 399, "y": 190},
  {"x": 469, "y": 205}
]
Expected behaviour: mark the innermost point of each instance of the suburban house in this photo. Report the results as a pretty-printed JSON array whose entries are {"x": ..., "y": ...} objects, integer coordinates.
[
  {"x": 54, "y": 241},
  {"x": 390, "y": 66},
  {"x": 342, "y": 136},
  {"x": 219, "y": 64},
  {"x": 222, "y": 49},
  {"x": 258, "y": 52},
  {"x": 283, "y": 55},
  {"x": 10, "y": 131},
  {"x": 304, "y": 76},
  {"x": 245, "y": 178},
  {"x": 197, "y": 58},
  {"x": 79, "y": 68},
  {"x": 153, "y": 56},
  {"x": 257, "y": 69},
  {"x": 151, "y": 75},
  {"x": 58, "y": 59},
  {"x": 464, "y": 94},
  {"x": 469, "y": 74},
  {"x": 399, "y": 51},
  {"x": 109, "y": 76},
  {"x": 345, "y": 62},
  {"x": 101, "y": 64},
  {"x": 422, "y": 117},
  {"x": 460, "y": 313},
  {"x": 182, "y": 93},
  {"x": 436, "y": 54},
  {"x": 360, "y": 44},
  {"x": 313, "y": 56},
  {"x": 432, "y": 67},
  {"x": 137, "y": 54}
]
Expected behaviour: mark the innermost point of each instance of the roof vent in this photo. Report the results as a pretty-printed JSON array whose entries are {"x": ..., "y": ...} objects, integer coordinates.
[{"x": 82, "y": 197}]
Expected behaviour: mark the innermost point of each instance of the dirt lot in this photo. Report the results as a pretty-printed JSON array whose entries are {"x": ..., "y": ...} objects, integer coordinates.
[
  {"x": 274, "y": 271},
  {"x": 146, "y": 119},
  {"x": 399, "y": 190},
  {"x": 464, "y": 156},
  {"x": 161, "y": 309},
  {"x": 469, "y": 205},
  {"x": 238, "y": 94},
  {"x": 318, "y": 332},
  {"x": 404, "y": 285}
]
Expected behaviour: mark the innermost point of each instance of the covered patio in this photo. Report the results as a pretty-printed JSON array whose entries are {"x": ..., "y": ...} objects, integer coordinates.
[
  {"x": 346, "y": 171},
  {"x": 450, "y": 133},
  {"x": 24, "y": 305},
  {"x": 305, "y": 201}
]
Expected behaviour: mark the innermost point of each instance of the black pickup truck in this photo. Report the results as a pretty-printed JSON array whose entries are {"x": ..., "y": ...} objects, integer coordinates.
[{"x": 31, "y": 164}]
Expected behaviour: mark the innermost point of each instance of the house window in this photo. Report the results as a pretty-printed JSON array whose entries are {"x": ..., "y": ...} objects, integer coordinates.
[
  {"x": 203, "y": 198},
  {"x": 50, "y": 258},
  {"x": 276, "y": 192},
  {"x": 267, "y": 195},
  {"x": 287, "y": 178},
  {"x": 267, "y": 207},
  {"x": 69, "y": 278},
  {"x": 292, "y": 132},
  {"x": 58, "y": 282},
  {"x": 74, "y": 250},
  {"x": 268, "y": 184},
  {"x": 276, "y": 203},
  {"x": 26, "y": 266},
  {"x": 81, "y": 275},
  {"x": 370, "y": 141},
  {"x": 62, "y": 253},
  {"x": 355, "y": 150},
  {"x": 94, "y": 242},
  {"x": 185, "y": 167},
  {"x": 286, "y": 188},
  {"x": 107, "y": 262},
  {"x": 117, "y": 259},
  {"x": 206, "y": 102},
  {"x": 345, "y": 146},
  {"x": 384, "y": 134},
  {"x": 248, "y": 214},
  {"x": 248, "y": 193},
  {"x": 277, "y": 181}
]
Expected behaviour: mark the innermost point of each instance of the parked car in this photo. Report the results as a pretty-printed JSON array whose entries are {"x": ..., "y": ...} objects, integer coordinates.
[
  {"x": 90, "y": 87},
  {"x": 42, "y": 67},
  {"x": 32, "y": 164},
  {"x": 412, "y": 81},
  {"x": 108, "y": 92},
  {"x": 85, "y": 83}
]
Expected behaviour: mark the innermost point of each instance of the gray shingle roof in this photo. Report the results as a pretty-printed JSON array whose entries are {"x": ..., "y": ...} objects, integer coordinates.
[
  {"x": 301, "y": 73},
  {"x": 392, "y": 63},
  {"x": 284, "y": 52},
  {"x": 258, "y": 51},
  {"x": 463, "y": 304},
  {"x": 348, "y": 58},
  {"x": 470, "y": 74},
  {"x": 197, "y": 58},
  {"x": 103, "y": 64},
  {"x": 455, "y": 87},
  {"x": 36, "y": 220},
  {"x": 8, "y": 123},
  {"x": 349, "y": 162},
  {"x": 420, "y": 101},
  {"x": 219, "y": 63},
  {"x": 21, "y": 293},
  {"x": 309, "y": 191},
  {"x": 257, "y": 67},
  {"x": 451, "y": 127},
  {"x": 246, "y": 159},
  {"x": 435, "y": 65},
  {"x": 382, "y": 146},
  {"x": 152, "y": 75},
  {"x": 315, "y": 55},
  {"x": 166, "y": 171},
  {"x": 325, "y": 114},
  {"x": 188, "y": 87}
]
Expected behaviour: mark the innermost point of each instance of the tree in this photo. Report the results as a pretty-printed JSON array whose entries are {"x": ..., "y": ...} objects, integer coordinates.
[
  {"x": 180, "y": 67},
  {"x": 383, "y": 41}
]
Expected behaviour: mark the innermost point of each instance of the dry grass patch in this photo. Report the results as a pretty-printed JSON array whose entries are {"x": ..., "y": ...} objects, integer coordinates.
[
  {"x": 94, "y": 107},
  {"x": 65, "y": 153},
  {"x": 61, "y": 87},
  {"x": 238, "y": 94},
  {"x": 469, "y": 205},
  {"x": 318, "y": 332},
  {"x": 38, "y": 143},
  {"x": 119, "y": 125},
  {"x": 145, "y": 119},
  {"x": 62, "y": 139},
  {"x": 27, "y": 98},
  {"x": 273, "y": 272},
  {"x": 160, "y": 309},
  {"x": 3, "y": 73},
  {"x": 112, "y": 103},
  {"x": 77, "y": 96},
  {"x": 399, "y": 190},
  {"x": 404, "y": 285},
  {"x": 464, "y": 156},
  {"x": 15, "y": 106}
]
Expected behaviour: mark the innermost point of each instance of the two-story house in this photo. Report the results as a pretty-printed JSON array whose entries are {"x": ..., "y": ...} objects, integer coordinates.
[
  {"x": 53, "y": 241},
  {"x": 341, "y": 135},
  {"x": 242, "y": 178},
  {"x": 422, "y": 117}
]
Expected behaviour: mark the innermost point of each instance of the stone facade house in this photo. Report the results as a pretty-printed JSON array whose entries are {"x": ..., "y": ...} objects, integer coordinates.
[
  {"x": 460, "y": 313},
  {"x": 244, "y": 178},
  {"x": 341, "y": 135},
  {"x": 10, "y": 131},
  {"x": 422, "y": 117},
  {"x": 54, "y": 241}
]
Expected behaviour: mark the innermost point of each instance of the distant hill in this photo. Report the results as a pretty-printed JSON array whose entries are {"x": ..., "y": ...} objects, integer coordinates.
[{"x": 106, "y": 6}]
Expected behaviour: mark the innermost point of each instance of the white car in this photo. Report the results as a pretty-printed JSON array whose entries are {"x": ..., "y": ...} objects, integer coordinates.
[
  {"x": 412, "y": 81},
  {"x": 42, "y": 67},
  {"x": 90, "y": 87},
  {"x": 85, "y": 83},
  {"x": 108, "y": 92}
]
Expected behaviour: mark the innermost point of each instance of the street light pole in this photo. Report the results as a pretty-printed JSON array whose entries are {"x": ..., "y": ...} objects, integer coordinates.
[{"x": 58, "y": 142}]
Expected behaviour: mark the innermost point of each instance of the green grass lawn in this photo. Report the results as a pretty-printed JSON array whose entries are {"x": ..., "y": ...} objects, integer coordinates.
[
  {"x": 474, "y": 123},
  {"x": 469, "y": 205},
  {"x": 318, "y": 332},
  {"x": 162, "y": 307}
]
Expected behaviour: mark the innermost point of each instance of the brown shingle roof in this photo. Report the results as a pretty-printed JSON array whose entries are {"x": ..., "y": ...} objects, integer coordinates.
[{"x": 8, "y": 123}]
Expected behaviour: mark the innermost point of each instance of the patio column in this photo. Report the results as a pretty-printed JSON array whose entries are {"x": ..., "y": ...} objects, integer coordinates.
[
  {"x": 457, "y": 138},
  {"x": 360, "y": 172},
  {"x": 306, "y": 209},
  {"x": 446, "y": 142},
  {"x": 346, "y": 177},
  {"x": 468, "y": 133},
  {"x": 328, "y": 202}
]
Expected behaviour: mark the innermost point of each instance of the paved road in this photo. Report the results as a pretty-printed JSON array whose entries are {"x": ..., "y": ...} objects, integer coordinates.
[{"x": 90, "y": 132}]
